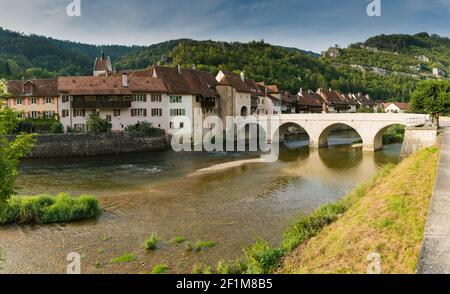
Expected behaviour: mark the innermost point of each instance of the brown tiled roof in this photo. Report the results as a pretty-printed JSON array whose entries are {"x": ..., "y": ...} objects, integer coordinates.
[
  {"x": 333, "y": 97},
  {"x": 189, "y": 81},
  {"x": 348, "y": 98},
  {"x": 309, "y": 98},
  {"x": 233, "y": 80},
  {"x": 255, "y": 90},
  {"x": 109, "y": 85},
  {"x": 40, "y": 87},
  {"x": 364, "y": 100},
  {"x": 402, "y": 105},
  {"x": 286, "y": 97}
]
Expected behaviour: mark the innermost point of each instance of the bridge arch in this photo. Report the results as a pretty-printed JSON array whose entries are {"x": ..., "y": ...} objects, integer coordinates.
[
  {"x": 378, "y": 138},
  {"x": 290, "y": 127},
  {"x": 326, "y": 132}
]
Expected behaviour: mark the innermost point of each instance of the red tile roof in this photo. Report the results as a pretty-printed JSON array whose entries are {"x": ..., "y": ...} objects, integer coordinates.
[
  {"x": 39, "y": 87},
  {"x": 312, "y": 99},
  {"x": 233, "y": 80},
  {"x": 189, "y": 81},
  {"x": 109, "y": 85}
]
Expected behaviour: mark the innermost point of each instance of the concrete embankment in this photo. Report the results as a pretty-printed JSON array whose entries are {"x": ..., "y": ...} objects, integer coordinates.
[
  {"x": 435, "y": 256},
  {"x": 78, "y": 145}
]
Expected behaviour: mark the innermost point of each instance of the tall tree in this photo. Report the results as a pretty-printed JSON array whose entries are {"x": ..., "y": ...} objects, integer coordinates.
[{"x": 433, "y": 98}]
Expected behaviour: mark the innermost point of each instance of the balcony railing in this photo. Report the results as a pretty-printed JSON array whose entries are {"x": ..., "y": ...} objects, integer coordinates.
[{"x": 101, "y": 104}]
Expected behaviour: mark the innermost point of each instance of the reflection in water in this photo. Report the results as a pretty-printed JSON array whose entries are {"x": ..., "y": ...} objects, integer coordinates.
[{"x": 145, "y": 193}]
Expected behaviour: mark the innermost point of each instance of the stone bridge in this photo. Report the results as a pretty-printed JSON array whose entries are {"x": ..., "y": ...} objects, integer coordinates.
[{"x": 370, "y": 127}]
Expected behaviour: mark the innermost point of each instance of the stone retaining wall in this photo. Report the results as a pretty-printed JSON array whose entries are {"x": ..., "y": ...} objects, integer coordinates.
[{"x": 77, "y": 145}]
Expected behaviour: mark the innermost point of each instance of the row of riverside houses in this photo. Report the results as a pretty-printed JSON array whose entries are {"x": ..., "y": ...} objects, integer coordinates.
[{"x": 160, "y": 94}]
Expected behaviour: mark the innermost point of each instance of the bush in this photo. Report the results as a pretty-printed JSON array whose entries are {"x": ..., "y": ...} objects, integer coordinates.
[
  {"x": 46, "y": 209},
  {"x": 150, "y": 243},
  {"x": 95, "y": 124},
  {"x": 201, "y": 269},
  {"x": 39, "y": 126},
  {"x": 146, "y": 128},
  {"x": 231, "y": 268},
  {"x": 57, "y": 128},
  {"x": 262, "y": 258}
]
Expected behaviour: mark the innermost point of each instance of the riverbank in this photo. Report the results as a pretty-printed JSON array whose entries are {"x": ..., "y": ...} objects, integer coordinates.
[{"x": 387, "y": 219}]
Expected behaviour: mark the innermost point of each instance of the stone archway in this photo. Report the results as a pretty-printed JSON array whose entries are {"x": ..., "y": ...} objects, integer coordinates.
[
  {"x": 324, "y": 135},
  {"x": 287, "y": 127},
  {"x": 378, "y": 138}
]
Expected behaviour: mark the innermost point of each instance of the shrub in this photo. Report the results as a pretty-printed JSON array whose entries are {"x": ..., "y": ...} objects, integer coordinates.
[
  {"x": 262, "y": 258},
  {"x": 160, "y": 269},
  {"x": 95, "y": 124},
  {"x": 57, "y": 128},
  {"x": 146, "y": 128},
  {"x": 201, "y": 269},
  {"x": 150, "y": 243},
  {"x": 46, "y": 209},
  {"x": 231, "y": 268},
  {"x": 394, "y": 134}
]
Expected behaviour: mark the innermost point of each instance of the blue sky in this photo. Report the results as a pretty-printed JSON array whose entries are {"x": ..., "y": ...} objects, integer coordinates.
[{"x": 307, "y": 24}]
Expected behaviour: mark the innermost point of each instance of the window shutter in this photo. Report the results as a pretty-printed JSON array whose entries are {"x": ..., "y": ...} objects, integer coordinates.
[
  {"x": 84, "y": 113},
  {"x": 145, "y": 112},
  {"x": 145, "y": 97}
]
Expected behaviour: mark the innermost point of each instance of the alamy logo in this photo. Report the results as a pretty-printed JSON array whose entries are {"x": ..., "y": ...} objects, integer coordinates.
[
  {"x": 374, "y": 8},
  {"x": 74, "y": 266},
  {"x": 374, "y": 267},
  {"x": 74, "y": 8}
]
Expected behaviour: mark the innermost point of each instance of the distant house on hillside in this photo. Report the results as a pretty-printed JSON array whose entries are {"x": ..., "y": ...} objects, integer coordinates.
[
  {"x": 396, "y": 107},
  {"x": 102, "y": 66},
  {"x": 423, "y": 58},
  {"x": 438, "y": 72}
]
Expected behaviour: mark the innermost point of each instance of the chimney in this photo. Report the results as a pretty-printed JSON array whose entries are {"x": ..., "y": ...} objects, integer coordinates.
[
  {"x": 194, "y": 67},
  {"x": 125, "y": 79},
  {"x": 300, "y": 92},
  {"x": 102, "y": 55},
  {"x": 179, "y": 69},
  {"x": 23, "y": 85},
  {"x": 243, "y": 76}
]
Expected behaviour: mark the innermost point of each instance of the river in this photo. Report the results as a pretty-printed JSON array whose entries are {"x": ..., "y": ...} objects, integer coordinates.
[{"x": 164, "y": 193}]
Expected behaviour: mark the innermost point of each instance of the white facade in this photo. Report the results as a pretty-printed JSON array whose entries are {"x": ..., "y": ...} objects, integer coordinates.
[
  {"x": 392, "y": 108},
  {"x": 153, "y": 109}
]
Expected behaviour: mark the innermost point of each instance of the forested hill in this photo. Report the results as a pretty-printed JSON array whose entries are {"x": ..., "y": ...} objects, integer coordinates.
[
  {"x": 290, "y": 68},
  {"x": 37, "y": 56},
  {"x": 388, "y": 67}
]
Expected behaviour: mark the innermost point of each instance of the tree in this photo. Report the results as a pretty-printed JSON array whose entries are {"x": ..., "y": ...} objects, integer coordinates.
[
  {"x": 97, "y": 125},
  {"x": 433, "y": 98},
  {"x": 10, "y": 153}
]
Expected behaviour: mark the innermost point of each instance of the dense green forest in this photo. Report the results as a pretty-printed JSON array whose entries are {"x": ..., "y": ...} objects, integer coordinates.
[
  {"x": 388, "y": 67},
  {"x": 34, "y": 56}
]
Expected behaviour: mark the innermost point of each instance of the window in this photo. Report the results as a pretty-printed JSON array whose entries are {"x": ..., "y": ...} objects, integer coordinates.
[
  {"x": 156, "y": 98},
  {"x": 19, "y": 101},
  {"x": 197, "y": 99},
  {"x": 156, "y": 112},
  {"x": 79, "y": 113},
  {"x": 48, "y": 114},
  {"x": 79, "y": 127},
  {"x": 139, "y": 112},
  {"x": 34, "y": 114},
  {"x": 65, "y": 113},
  {"x": 172, "y": 125},
  {"x": 48, "y": 100},
  {"x": 116, "y": 112},
  {"x": 139, "y": 98},
  {"x": 108, "y": 118},
  {"x": 176, "y": 99},
  {"x": 65, "y": 98},
  {"x": 33, "y": 101},
  {"x": 177, "y": 112}
]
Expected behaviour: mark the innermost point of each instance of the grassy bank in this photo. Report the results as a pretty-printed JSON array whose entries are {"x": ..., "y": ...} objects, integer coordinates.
[
  {"x": 45, "y": 209},
  {"x": 385, "y": 216}
]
